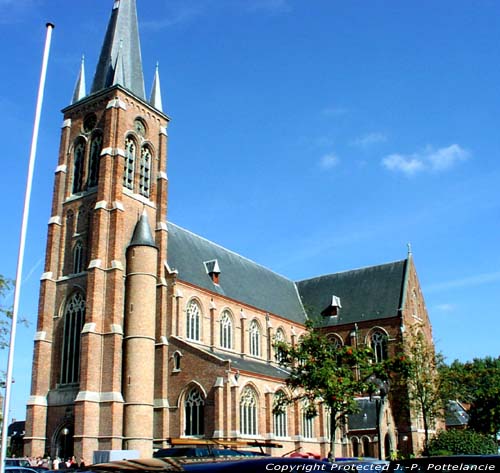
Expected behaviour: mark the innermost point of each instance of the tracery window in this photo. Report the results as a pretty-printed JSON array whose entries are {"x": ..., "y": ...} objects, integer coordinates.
[
  {"x": 193, "y": 315},
  {"x": 145, "y": 172},
  {"x": 280, "y": 416},
  {"x": 94, "y": 156},
  {"x": 226, "y": 330},
  {"x": 74, "y": 318},
  {"x": 78, "y": 157},
  {"x": 254, "y": 333},
  {"x": 194, "y": 410},
  {"x": 248, "y": 412},
  {"x": 278, "y": 337},
  {"x": 307, "y": 423},
  {"x": 378, "y": 342},
  {"x": 129, "y": 169}
]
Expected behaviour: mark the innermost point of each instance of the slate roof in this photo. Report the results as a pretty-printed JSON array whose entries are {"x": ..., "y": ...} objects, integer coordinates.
[
  {"x": 142, "y": 235},
  {"x": 240, "y": 279},
  {"x": 365, "y": 294},
  {"x": 456, "y": 415},
  {"x": 251, "y": 365},
  {"x": 365, "y": 418},
  {"x": 120, "y": 60}
]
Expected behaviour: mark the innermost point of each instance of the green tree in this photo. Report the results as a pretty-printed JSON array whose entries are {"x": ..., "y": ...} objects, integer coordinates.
[
  {"x": 420, "y": 375},
  {"x": 323, "y": 373},
  {"x": 477, "y": 383},
  {"x": 461, "y": 442}
]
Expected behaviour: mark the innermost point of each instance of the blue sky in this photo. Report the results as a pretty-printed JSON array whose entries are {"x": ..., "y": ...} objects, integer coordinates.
[{"x": 310, "y": 136}]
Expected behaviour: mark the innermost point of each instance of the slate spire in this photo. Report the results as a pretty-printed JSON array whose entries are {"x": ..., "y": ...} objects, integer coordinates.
[
  {"x": 80, "y": 89},
  {"x": 121, "y": 48},
  {"x": 155, "y": 98}
]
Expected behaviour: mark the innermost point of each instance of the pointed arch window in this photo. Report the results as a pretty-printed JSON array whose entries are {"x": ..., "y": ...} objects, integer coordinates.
[
  {"x": 94, "y": 156},
  {"x": 193, "y": 315},
  {"x": 307, "y": 423},
  {"x": 254, "y": 332},
  {"x": 226, "y": 330},
  {"x": 129, "y": 169},
  {"x": 378, "y": 342},
  {"x": 74, "y": 319},
  {"x": 78, "y": 258},
  {"x": 145, "y": 172},
  {"x": 248, "y": 412},
  {"x": 280, "y": 416},
  {"x": 78, "y": 157},
  {"x": 279, "y": 337},
  {"x": 194, "y": 411}
]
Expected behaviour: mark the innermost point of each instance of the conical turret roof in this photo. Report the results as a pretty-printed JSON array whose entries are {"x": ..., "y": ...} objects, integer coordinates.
[{"x": 142, "y": 233}]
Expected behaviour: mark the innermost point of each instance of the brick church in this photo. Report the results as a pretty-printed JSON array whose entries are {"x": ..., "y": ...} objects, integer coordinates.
[{"x": 147, "y": 332}]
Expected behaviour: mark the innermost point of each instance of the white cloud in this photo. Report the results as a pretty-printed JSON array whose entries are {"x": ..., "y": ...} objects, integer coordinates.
[
  {"x": 370, "y": 139},
  {"x": 445, "y": 158},
  {"x": 445, "y": 307},
  {"x": 329, "y": 161},
  {"x": 430, "y": 160},
  {"x": 408, "y": 165}
]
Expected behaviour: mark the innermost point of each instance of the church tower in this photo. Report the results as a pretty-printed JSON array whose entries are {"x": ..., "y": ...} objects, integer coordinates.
[{"x": 101, "y": 295}]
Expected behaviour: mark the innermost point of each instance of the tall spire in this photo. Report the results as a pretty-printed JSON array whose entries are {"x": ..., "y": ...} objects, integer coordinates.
[
  {"x": 122, "y": 39},
  {"x": 155, "y": 99},
  {"x": 80, "y": 91}
]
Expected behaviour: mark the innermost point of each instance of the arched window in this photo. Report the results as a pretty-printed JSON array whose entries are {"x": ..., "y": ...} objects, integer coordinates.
[
  {"x": 78, "y": 258},
  {"x": 226, "y": 330},
  {"x": 378, "y": 342},
  {"x": 278, "y": 337},
  {"x": 74, "y": 318},
  {"x": 194, "y": 407},
  {"x": 129, "y": 169},
  {"x": 94, "y": 156},
  {"x": 254, "y": 332},
  {"x": 280, "y": 416},
  {"x": 355, "y": 447},
  {"x": 177, "y": 361},
  {"x": 248, "y": 412},
  {"x": 307, "y": 423},
  {"x": 145, "y": 172},
  {"x": 78, "y": 157},
  {"x": 193, "y": 321}
]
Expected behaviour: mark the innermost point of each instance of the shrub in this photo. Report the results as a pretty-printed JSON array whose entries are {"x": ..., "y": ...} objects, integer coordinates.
[{"x": 461, "y": 442}]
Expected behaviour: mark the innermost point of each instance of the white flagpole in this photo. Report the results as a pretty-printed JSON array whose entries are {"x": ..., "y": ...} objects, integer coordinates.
[{"x": 22, "y": 243}]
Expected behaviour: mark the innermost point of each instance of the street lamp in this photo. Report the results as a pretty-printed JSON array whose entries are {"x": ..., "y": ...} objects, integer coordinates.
[
  {"x": 379, "y": 389},
  {"x": 64, "y": 433}
]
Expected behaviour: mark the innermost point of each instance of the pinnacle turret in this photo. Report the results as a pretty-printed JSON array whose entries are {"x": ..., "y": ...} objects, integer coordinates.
[
  {"x": 155, "y": 98},
  {"x": 80, "y": 89},
  {"x": 121, "y": 41}
]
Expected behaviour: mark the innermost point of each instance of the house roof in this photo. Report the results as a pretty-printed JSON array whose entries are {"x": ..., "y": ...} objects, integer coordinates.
[
  {"x": 365, "y": 294},
  {"x": 456, "y": 415},
  {"x": 240, "y": 279},
  {"x": 365, "y": 418},
  {"x": 251, "y": 365}
]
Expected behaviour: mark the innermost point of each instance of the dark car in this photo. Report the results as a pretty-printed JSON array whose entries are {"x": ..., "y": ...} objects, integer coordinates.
[
  {"x": 17, "y": 462},
  {"x": 455, "y": 463},
  {"x": 260, "y": 465},
  {"x": 204, "y": 452},
  {"x": 19, "y": 469}
]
